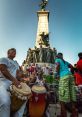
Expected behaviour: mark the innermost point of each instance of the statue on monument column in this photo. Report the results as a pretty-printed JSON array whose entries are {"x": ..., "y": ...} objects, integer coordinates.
[
  {"x": 43, "y": 4},
  {"x": 45, "y": 38},
  {"x": 30, "y": 55},
  {"x": 35, "y": 55},
  {"x": 49, "y": 55},
  {"x": 40, "y": 53},
  {"x": 54, "y": 53}
]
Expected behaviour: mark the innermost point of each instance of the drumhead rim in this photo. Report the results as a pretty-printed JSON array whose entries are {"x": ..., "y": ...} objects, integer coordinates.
[
  {"x": 38, "y": 91},
  {"x": 23, "y": 91}
]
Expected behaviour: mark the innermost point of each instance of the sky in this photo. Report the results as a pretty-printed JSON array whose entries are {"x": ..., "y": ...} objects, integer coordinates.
[{"x": 18, "y": 27}]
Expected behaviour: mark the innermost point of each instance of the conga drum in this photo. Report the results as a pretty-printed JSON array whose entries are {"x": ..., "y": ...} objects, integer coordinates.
[
  {"x": 53, "y": 93},
  {"x": 19, "y": 96},
  {"x": 38, "y": 102}
]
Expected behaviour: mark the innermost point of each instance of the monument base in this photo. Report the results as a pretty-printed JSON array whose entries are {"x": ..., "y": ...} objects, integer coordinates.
[{"x": 50, "y": 65}]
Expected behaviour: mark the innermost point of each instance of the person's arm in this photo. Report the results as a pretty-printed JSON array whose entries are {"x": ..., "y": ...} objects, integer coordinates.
[
  {"x": 6, "y": 73},
  {"x": 57, "y": 68},
  {"x": 71, "y": 68}
]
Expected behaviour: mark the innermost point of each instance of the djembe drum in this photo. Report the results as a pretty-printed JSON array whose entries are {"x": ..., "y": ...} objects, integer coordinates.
[
  {"x": 19, "y": 96},
  {"x": 37, "y": 103}
]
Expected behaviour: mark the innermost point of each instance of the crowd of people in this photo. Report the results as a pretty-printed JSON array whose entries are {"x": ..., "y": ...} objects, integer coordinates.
[{"x": 67, "y": 75}]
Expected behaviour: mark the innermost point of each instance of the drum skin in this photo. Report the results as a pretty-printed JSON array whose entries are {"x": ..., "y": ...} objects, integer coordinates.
[{"x": 37, "y": 104}]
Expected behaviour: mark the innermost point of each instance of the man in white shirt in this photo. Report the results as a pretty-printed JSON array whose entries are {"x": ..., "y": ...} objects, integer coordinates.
[{"x": 8, "y": 69}]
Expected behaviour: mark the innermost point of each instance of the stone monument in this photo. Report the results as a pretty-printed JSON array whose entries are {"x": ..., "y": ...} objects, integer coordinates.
[{"x": 42, "y": 53}]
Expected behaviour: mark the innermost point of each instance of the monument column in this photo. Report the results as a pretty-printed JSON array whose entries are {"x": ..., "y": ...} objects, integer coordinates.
[
  {"x": 43, "y": 20},
  {"x": 42, "y": 53}
]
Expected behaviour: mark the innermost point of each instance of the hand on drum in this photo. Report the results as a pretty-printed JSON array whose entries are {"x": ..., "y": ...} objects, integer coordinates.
[{"x": 17, "y": 83}]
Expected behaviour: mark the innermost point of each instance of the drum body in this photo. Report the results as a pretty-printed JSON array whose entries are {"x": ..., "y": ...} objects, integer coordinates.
[
  {"x": 16, "y": 102},
  {"x": 19, "y": 96},
  {"x": 38, "y": 102},
  {"x": 53, "y": 93}
]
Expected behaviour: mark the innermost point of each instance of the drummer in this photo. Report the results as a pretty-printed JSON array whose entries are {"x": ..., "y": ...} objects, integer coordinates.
[{"x": 8, "y": 68}]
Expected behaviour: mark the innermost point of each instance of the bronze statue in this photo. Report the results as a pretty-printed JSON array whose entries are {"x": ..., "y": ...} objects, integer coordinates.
[
  {"x": 49, "y": 55},
  {"x": 35, "y": 55},
  {"x": 54, "y": 53},
  {"x": 43, "y": 4},
  {"x": 45, "y": 38},
  {"x": 40, "y": 54},
  {"x": 30, "y": 55}
]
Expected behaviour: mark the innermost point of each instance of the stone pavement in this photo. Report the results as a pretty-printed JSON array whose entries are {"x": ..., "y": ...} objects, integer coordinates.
[{"x": 54, "y": 110}]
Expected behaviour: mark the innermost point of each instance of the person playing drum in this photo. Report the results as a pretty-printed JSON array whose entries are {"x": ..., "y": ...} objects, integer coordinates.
[{"x": 8, "y": 68}]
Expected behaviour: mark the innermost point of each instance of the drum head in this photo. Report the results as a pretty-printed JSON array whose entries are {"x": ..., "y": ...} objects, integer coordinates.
[
  {"x": 25, "y": 90},
  {"x": 38, "y": 89}
]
